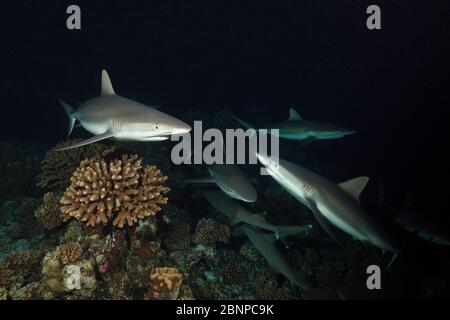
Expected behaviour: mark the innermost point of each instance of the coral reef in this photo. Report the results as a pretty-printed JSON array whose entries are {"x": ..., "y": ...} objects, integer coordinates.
[
  {"x": 57, "y": 167},
  {"x": 122, "y": 190},
  {"x": 165, "y": 284},
  {"x": 208, "y": 232},
  {"x": 178, "y": 237},
  {"x": 48, "y": 213}
]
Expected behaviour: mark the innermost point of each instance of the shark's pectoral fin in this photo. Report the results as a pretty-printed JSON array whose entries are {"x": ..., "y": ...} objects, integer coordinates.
[
  {"x": 325, "y": 224},
  {"x": 293, "y": 115},
  {"x": 90, "y": 140},
  {"x": 355, "y": 186}
]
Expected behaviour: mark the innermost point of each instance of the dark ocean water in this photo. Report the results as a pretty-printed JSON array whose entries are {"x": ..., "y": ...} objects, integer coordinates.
[{"x": 198, "y": 58}]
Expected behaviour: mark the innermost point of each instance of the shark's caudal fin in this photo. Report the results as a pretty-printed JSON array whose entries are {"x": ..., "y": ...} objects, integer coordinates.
[
  {"x": 90, "y": 140},
  {"x": 293, "y": 115},
  {"x": 107, "y": 88},
  {"x": 246, "y": 125},
  {"x": 355, "y": 186},
  {"x": 69, "y": 111}
]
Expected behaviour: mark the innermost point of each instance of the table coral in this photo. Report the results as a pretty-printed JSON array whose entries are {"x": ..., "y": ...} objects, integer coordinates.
[
  {"x": 122, "y": 189},
  {"x": 208, "y": 232},
  {"x": 57, "y": 167},
  {"x": 48, "y": 213}
]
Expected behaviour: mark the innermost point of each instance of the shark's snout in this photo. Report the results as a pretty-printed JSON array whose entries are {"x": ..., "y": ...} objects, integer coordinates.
[{"x": 181, "y": 128}]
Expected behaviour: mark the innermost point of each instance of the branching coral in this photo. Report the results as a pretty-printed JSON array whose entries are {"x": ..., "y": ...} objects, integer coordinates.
[
  {"x": 57, "y": 167},
  {"x": 166, "y": 283},
  {"x": 122, "y": 190},
  {"x": 208, "y": 232},
  {"x": 48, "y": 213}
]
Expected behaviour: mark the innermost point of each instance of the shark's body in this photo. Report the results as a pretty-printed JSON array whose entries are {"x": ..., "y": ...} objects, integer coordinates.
[
  {"x": 337, "y": 204},
  {"x": 295, "y": 128},
  {"x": 237, "y": 214},
  {"x": 265, "y": 244},
  {"x": 116, "y": 117},
  {"x": 417, "y": 224},
  {"x": 231, "y": 180}
]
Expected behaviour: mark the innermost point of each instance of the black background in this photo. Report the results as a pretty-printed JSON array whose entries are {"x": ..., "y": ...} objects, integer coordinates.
[{"x": 391, "y": 85}]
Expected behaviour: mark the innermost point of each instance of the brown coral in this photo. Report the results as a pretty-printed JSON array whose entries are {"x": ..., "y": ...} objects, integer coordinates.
[
  {"x": 70, "y": 253},
  {"x": 48, "y": 213},
  {"x": 57, "y": 167},
  {"x": 165, "y": 278},
  {"x": 178, "y": 237},
  {"x": 208, "y": 232},
  {"x": 166, "y": 283},
  {"x": 122, "y": 190}
]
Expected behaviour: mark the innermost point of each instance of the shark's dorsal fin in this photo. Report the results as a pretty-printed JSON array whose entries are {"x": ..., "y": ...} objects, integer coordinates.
[
  {"x": 355, "y": 186},
  {"x": 293, "y": 115},
  {"x": 107, "y": 88}
]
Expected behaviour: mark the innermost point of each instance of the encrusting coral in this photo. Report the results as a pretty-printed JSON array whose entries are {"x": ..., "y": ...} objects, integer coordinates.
[
  {"x": 208, "y": 232},
  {"x": 122, "y": 189},
  {"x": 178, "y": 237},
  {"x": 48, "y": 213},
  {"x": 165, "y": 284},
  {"x": 57, "y": 167}
]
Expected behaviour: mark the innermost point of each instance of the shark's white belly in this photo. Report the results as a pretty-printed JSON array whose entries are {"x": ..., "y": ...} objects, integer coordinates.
[
  {"x": 95, "y": 127},
  {"x": 336, "y": 218}
]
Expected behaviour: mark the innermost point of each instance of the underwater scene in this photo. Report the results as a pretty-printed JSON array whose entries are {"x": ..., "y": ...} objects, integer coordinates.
[{"x": 261, "y": 150}]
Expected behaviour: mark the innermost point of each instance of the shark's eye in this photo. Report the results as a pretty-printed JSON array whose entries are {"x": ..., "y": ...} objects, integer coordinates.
[{"x": 156, "y": 126}]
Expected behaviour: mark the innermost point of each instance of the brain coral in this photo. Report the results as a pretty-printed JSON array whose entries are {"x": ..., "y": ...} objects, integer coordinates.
[
  {"x": 57, "y": 167},
  {"x": 121, "y": 189}
]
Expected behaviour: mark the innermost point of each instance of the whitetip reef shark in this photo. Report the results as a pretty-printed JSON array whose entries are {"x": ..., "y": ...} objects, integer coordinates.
[
  {"x": 295, "y": 128},
  {"x": 333, "y": 203},
  {"x": 265, "y": 244},
  {"x": 238, "y": 214},
  {"x": 230, "y": 179},
  {"x": 116, "y": 117}
]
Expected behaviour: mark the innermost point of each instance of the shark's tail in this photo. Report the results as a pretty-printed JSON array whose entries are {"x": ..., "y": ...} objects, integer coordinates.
[
  {"x": 285, "y": 231},
  {"x": 246, "y": 125},
  {"x": 69, "y": 110}
]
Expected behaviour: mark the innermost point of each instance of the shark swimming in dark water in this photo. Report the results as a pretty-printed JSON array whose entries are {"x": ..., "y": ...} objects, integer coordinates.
[
  {"x": 295, "y": 128},
  {"x": 332, "y": 204},
  {"x": 116, "y": 117}
]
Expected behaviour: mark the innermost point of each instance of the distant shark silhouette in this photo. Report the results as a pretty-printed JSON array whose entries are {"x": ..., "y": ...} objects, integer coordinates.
[
  {"x": 337, "y": 204},
  {"x": 230, "y": 179},
  {"x": 265, "y": 244},
  {"x": 116, "y": 117},
  {"x": 237, "y": 214},
  {"x": 295, "y": 128}
]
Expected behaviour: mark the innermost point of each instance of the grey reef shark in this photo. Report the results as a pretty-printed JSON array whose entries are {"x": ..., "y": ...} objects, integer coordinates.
[
  {"x": 119, "y": 118},
  {"x": 333, "y": 205},
  {"x": 265, "y": 244},
  {"x": 238, "y": 214},
  {"x": 295, "y": 128},
  {"x": 230, "y": 179}
]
